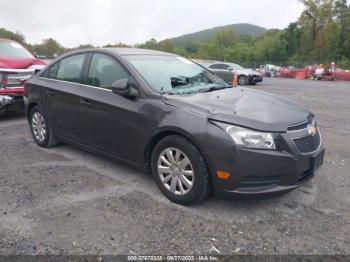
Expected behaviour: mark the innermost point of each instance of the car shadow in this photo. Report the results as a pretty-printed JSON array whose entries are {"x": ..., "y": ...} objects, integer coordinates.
[{"x": 12, "y": 116}]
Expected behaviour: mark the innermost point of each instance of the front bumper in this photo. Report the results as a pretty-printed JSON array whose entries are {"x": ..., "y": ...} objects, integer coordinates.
[
  {"x": 255, "y": 78},
  {"x": 11, "y": 103},
  {"x": 262, "y": 172}
]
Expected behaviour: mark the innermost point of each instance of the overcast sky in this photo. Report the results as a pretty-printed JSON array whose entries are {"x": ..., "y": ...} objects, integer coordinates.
[{"x": 73, "y": 22}]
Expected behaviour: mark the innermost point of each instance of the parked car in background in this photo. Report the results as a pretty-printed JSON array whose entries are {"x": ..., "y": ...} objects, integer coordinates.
[
  {"x": 170, "y": 116},
  {"x": 16, "y": 65},
  {"x": 269, "y": 70},
  {"x": 287, "y": 71},
  {"x": 226, "y": 72},
  {"x": 325, "y": 72}
]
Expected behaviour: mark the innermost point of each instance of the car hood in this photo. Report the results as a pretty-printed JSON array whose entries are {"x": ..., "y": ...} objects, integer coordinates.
[
  {"x": 20, "y": 63},
  {"x": 247, "y": 72},
  {"x": 244, "y": 107}
]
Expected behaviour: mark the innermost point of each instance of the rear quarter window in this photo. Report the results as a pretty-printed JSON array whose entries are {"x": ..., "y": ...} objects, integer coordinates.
[{"x": 52, "y": 71}]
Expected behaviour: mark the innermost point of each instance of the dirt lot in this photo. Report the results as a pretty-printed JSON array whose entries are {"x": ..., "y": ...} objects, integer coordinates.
[{"x": 66, "y": 201}]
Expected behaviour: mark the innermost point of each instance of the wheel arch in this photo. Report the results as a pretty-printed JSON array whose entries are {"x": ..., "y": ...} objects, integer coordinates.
[
  {"x": 165, "y": 133},
  {"x": 30, "y": 107}
]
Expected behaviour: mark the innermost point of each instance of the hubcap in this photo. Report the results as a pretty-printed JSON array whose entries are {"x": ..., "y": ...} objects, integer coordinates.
[
  {"x": 175, "y": 171},
  {"x": 39, "y": 126},
  {"x": 243, "y": 80}
]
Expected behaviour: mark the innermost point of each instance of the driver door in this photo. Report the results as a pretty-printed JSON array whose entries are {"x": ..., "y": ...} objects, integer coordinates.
[{"x": 109, "y": 122}]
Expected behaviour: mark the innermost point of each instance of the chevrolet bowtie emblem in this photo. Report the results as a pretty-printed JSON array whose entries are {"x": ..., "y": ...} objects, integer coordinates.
[{"x": 312, "y": 130}]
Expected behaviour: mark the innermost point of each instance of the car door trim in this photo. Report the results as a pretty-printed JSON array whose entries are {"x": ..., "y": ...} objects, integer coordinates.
[{"x": 62, "y": 81}]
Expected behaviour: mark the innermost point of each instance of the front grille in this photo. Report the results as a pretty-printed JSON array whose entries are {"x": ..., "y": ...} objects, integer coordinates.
[
  {"x": 308, "y": 143},
  {"x": 264, "y": 181},
  {"x": 299, "y": 126}
]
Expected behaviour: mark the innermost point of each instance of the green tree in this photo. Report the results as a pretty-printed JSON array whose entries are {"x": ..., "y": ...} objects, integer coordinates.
[
  {"x": 240, "y": 53},
  {"x": 191, "y": 48},
  {"x": 247, "y": 39},
  {"x": 271, "y": 47},
  {"x": 292, "y": 36},
  {"x": 117, "y": 45},
  {"x": 226, "y": 38},
  {"x": 150, "y": 44},
  {"x": 316, "y": 22},
  {"x": 326, "y": 43},
  {"x": 49, "y": 48},
  {"x": 166, "y": 46},
  {"x": 17, "y": 36},
  {"x": 342, "y": 14}
]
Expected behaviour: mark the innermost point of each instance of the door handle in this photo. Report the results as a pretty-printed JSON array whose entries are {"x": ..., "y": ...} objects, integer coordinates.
[
  {"x": 85, "y": 102},
  {"x": 50, "y": 92}
]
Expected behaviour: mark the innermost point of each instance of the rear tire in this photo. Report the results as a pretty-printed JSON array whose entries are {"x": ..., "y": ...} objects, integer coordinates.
[
  {"x": 40, "y": 128},
  {"x": 180, "y": 171}
]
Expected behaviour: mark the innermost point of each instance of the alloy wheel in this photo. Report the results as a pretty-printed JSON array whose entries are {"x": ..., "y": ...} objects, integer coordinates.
[
  {"x": 175, "y": 171},
  {"x": 243, "y": 80},
  {"x": 39, "y": 126}
]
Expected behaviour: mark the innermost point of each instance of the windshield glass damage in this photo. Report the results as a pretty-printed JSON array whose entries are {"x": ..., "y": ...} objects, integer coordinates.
[{"x": 175, "y": 75}]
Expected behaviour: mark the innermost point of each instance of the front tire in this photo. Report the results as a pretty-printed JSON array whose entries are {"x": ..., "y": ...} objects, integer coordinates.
[
  {"x": 243, "y": 80},
  {"x": 180, "y": 171},
  {"x": 40, "y": 128}
]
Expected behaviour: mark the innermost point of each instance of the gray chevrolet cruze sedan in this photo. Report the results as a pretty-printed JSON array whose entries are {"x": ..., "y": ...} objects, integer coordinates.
[{"x": 163, "y": 113}]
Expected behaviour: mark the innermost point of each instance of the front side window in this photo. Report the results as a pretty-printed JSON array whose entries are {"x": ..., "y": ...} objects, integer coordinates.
[
  {"x": 175, "y": 75},
  {"x": 52, "y": 71},
  {"x": 104, "y": 71},
  {"x": 68, "y": 69}
]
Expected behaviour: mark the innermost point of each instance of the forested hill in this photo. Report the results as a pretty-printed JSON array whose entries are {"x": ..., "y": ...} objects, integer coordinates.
[{"x": 205, "y": 35}]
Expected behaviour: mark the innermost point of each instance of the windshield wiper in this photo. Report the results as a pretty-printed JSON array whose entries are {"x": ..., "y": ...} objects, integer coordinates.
[{"x": 166, "y": 93}]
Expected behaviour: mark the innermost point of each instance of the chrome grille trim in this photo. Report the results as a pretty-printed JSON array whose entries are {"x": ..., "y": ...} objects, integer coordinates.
[{"x": 302, "y": 125}]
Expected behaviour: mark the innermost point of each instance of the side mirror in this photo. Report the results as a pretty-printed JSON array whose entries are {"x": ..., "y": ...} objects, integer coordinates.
[
  {"x": 125, "y": 87},
  {"x": 230, "y": 68}
]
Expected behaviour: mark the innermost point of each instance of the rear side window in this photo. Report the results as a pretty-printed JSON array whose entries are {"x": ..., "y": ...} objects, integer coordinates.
[
  {"x": 104, "y": 71},
  {"x": 68, "y": 69}
]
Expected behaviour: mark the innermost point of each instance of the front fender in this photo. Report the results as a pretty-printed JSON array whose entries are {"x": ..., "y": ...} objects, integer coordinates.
[{"x": 210, "y": 139}]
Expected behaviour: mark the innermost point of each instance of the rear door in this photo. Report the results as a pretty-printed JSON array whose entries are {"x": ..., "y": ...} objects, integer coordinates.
[
  {"x": 62, "y": 93},
  {"x": 109, "y": 122}
]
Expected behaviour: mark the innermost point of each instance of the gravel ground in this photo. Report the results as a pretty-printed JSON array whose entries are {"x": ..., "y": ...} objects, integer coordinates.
[{"x": 66, "y": 201}]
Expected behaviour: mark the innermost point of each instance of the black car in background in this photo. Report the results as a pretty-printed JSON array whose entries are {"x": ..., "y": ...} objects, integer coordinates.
[{"x": 165, "y": 114}]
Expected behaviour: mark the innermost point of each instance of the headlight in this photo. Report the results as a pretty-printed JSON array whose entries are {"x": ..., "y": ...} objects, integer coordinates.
[{"x": 248, "y": 138}]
